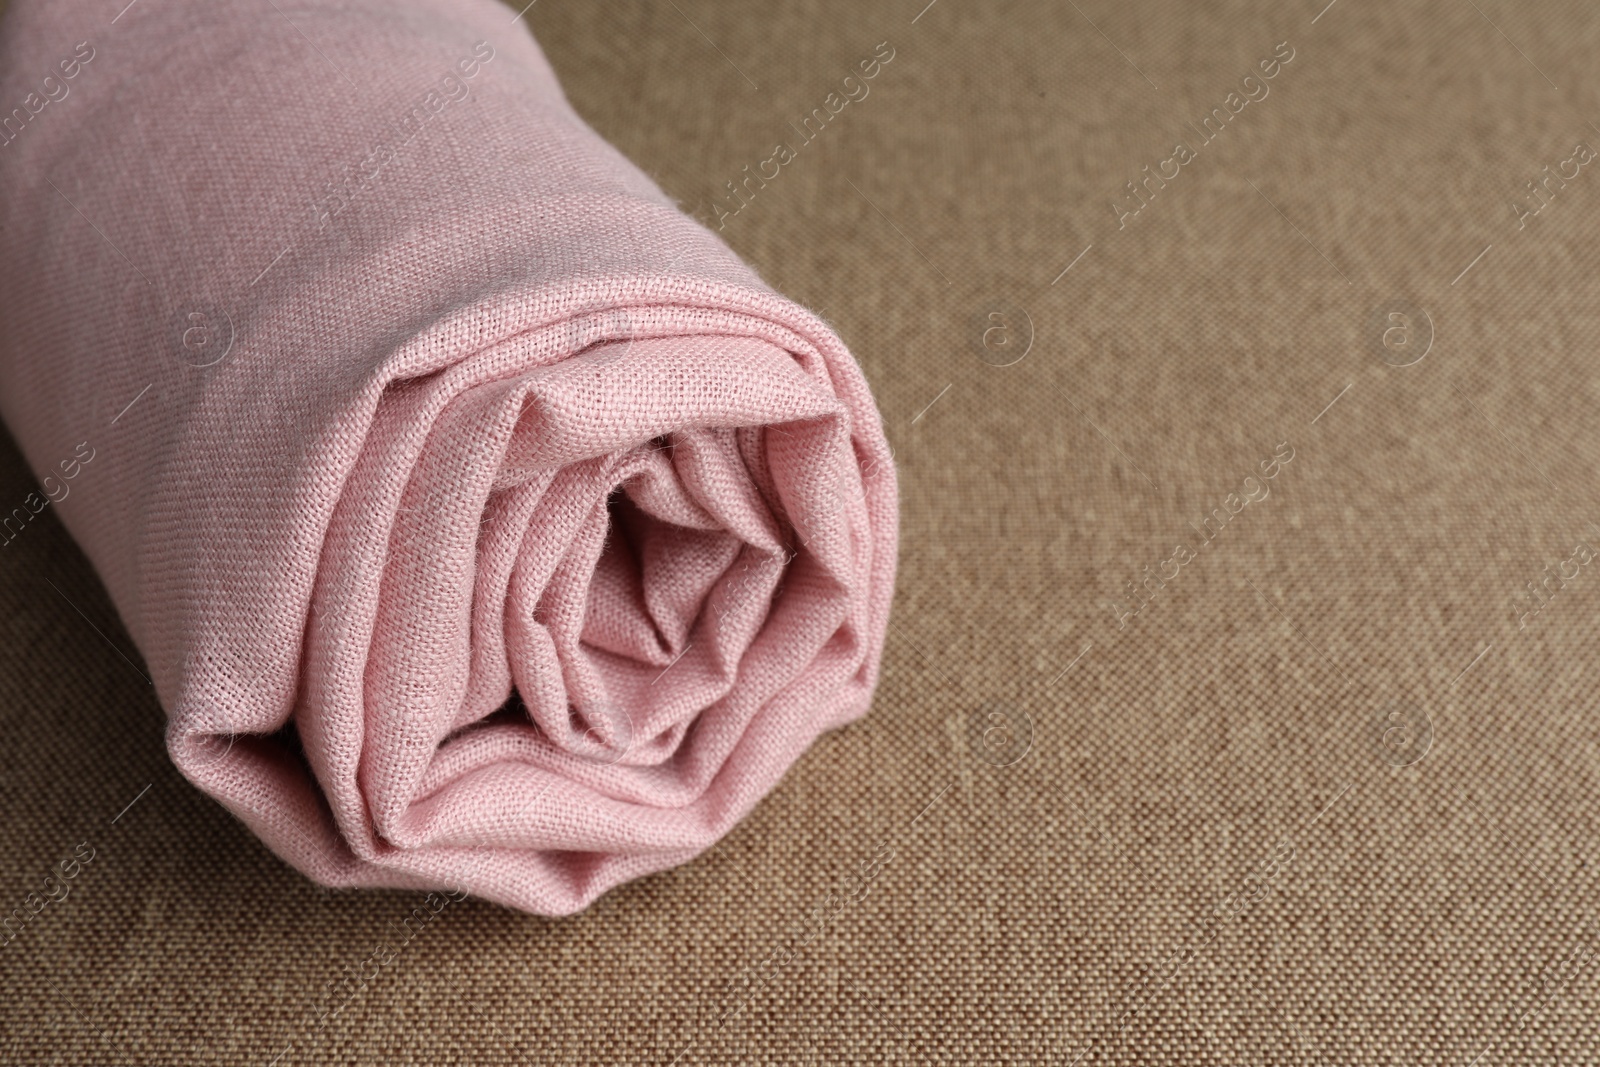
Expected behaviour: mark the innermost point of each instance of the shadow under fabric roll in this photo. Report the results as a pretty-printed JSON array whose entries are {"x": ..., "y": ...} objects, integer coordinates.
[{"x": 484, "y": 522}]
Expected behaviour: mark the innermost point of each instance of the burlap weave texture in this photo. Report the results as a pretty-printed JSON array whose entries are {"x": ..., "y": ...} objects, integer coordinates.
[{"x": 1215, "y": 848}]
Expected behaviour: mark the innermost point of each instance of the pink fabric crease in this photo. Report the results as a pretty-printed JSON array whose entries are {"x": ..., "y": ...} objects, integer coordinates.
[{"x": 483, "y": 521}]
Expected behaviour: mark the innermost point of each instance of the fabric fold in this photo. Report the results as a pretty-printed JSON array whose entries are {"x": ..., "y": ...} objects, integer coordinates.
[{"x": 484, "y": 522}]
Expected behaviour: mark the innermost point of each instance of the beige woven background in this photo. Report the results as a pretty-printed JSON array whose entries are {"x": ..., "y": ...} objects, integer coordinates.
[{"x": 1209, "y": 851}]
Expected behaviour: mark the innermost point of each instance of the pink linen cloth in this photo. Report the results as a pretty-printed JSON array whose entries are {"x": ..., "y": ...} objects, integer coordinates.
[{"x": 483, "y": 521}]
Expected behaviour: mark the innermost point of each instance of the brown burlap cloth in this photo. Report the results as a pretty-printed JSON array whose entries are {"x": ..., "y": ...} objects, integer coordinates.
[{"x": 1220, "y": 722}]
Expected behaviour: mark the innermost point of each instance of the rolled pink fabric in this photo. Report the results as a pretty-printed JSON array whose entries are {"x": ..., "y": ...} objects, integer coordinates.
[{"x": 483, "y": 521}]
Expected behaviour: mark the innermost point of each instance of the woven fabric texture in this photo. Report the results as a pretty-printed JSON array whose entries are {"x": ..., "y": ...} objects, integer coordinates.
[
  {"x": 1237, "y": 704},
  {"x": 460, "y": 427}
]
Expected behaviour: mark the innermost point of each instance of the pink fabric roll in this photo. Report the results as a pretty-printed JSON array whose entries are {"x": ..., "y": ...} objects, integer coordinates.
[{"x": 483, "y": 521}]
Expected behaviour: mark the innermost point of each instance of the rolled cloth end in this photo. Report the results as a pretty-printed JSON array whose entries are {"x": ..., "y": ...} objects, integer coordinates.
[{"x": 484, "y": 522}]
